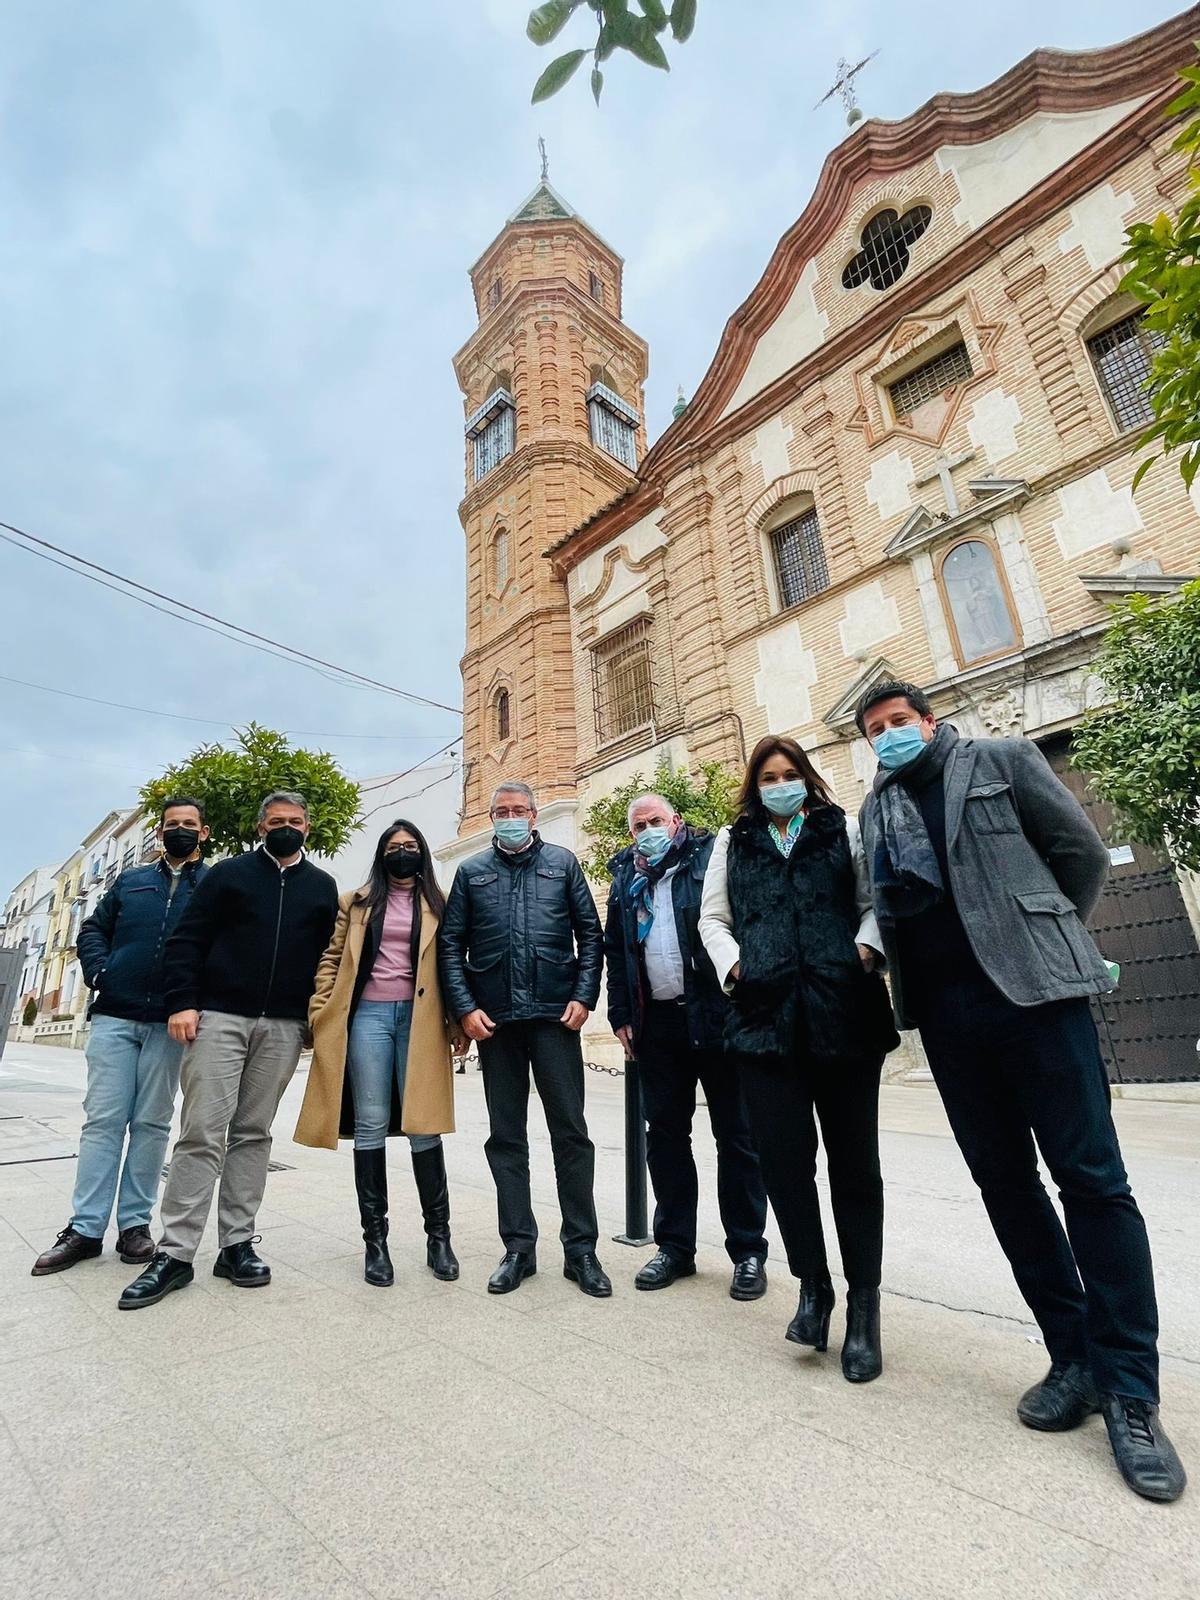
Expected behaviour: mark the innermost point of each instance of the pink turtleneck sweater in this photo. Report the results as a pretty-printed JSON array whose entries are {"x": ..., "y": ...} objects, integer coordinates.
[{"x": 392, "y": 975}]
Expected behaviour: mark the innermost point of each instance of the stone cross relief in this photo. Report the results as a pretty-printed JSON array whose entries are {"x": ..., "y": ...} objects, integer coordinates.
[{"x": 942, "y": 468}]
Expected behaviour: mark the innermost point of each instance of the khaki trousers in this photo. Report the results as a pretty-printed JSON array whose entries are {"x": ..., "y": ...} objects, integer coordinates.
[{"x": 233, "y": 1077}]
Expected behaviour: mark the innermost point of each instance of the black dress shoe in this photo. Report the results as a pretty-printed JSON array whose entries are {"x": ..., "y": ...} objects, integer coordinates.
[
  {"x": 1144, "y": 1454},
  {"x": 512, "y": 1271},
  {"x": 586, "y": 1271},
  {"x": 135, "y": 1246},
  {"x": 862, "y": 1354},
  {"x": 810, "y": 1325},
  {"x": 749, "y": 1279},
  {"x": 1065, "y": 1398},
  {"x": 662, "y": 1269},
  {"x": 162, "y": 1275},
  {"x": 242, "y": 1266},
  {"x": 66, "y": 1251}
]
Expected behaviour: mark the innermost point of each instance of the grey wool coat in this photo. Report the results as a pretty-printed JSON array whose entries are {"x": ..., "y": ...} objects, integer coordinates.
[{"x": 1026, "y": 869}]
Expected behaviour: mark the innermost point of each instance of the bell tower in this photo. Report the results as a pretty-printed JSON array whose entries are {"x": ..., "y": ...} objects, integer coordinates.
[{"x": 552, "y": 382}]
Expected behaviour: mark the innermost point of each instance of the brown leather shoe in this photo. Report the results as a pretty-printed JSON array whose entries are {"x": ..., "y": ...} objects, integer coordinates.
[
  {"x": 134, "y": 1245},
  {"x": 66, "y": 1251}
]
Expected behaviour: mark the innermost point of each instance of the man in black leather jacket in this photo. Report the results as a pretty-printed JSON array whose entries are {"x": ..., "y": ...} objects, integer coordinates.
[{"x": 520, "y": 951}]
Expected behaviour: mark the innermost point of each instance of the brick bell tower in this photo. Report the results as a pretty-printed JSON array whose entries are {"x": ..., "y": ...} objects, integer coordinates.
[{"x": 553, "y": 389}]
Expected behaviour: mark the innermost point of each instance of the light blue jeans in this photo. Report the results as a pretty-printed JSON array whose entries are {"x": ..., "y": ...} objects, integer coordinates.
[
  {"x": 133, "y": 1078},
  {"x": 378, "y": 1053}
]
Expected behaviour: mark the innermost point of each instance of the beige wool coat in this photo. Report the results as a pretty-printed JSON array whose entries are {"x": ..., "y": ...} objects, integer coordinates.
[{"x": 429, "y": 1079}]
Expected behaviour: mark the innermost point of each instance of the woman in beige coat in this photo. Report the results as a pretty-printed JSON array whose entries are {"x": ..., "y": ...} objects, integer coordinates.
[{"x": 382, "y": 1044}]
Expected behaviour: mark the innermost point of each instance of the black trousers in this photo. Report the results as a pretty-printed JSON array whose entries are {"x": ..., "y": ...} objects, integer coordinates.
[
  {"x": 671, "y": 1069},
  {"x": 554, "y": 1054},
  {"x": 1009, "y": 1075},
  {"x": 786, "y": 1097}
]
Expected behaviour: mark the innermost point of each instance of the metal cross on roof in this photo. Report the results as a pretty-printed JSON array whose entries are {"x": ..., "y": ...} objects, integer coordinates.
[
  {"x": 844, "y": 86},
  {"x": 545, "y": 161}
]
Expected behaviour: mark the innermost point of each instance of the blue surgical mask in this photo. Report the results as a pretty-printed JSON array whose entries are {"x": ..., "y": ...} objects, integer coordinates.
[
  {"x": 512, "y": 831},
  {"x": 654, "y": 842},
  {"x": 784, "y": 799},
  {"x": 896, "y": 747}
]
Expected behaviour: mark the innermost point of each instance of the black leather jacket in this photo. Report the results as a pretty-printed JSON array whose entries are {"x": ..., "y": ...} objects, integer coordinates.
[{"x": 520, "y": 938}]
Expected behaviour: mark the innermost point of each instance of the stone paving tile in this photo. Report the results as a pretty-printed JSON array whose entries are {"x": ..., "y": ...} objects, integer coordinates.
[{"x": 43, "y": 1572}]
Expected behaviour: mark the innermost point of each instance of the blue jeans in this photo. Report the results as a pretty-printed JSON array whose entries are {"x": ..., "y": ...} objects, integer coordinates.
[
  {"x": 378, "y": 1053},
  {"x": 133, "y": 1077}
]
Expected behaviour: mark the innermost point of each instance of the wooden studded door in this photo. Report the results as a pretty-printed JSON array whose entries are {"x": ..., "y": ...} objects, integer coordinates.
[{"x": 1150, "y": 1025}]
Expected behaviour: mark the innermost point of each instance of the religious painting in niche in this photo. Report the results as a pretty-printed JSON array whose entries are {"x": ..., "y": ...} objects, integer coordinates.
[
  {"x": 978, "y": 603},
  {"x": 885, "y": 254}
]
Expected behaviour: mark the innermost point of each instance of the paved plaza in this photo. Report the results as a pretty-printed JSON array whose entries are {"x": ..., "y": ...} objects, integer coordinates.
[{"x": 321, "y": 1438}]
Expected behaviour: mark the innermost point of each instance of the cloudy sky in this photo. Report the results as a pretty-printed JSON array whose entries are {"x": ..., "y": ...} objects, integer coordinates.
[{"x": 234, "y": 237}]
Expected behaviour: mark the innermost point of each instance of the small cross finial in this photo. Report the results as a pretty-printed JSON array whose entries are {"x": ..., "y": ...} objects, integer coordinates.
[
  {"x": 545, "y": 160},
  {"x": 844, "y": 87}
]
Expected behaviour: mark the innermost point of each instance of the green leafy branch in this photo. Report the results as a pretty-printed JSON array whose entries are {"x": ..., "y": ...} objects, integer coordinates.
[
  {"x": 617, "y": 28},
  {"x": 1163, "y": 259},
  {"x": 1142, "y": 751}
]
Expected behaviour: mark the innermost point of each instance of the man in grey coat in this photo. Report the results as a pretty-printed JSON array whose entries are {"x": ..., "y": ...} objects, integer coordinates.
[{"x": 984, "y": 870}]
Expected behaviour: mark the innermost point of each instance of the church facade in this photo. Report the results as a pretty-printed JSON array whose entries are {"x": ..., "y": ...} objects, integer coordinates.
[{"x": 911, "y": 455}]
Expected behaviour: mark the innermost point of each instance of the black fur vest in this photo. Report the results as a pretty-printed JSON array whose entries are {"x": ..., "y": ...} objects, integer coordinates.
[{"x": 802, "y": 988}]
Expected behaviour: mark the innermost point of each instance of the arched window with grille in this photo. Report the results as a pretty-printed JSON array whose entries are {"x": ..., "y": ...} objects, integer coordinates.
[
  {"x": 798, "y": 553},
  {"x": 502, "y": 716},
  {"x": 1121, "y": 354},
  {"x": 980, "y": 610}
]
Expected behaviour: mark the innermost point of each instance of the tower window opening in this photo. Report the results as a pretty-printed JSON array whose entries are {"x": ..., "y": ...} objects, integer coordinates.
[
  {"x": 492, "y": 432},
  {"x": 613, "y": 424}
]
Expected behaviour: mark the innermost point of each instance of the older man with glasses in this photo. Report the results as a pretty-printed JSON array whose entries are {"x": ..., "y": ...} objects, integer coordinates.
[{"x": 521, "y": 952}]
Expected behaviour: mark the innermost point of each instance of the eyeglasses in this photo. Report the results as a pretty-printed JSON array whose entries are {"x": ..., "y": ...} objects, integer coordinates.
[
  {"x": 516, "y": 813},
  {"x": 403, "y": 850}
]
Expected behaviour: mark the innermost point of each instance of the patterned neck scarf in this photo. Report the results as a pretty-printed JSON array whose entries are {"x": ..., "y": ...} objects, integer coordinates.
[
  {"x": 646, "y": 875},
  {"x": 785, "y": 841}
]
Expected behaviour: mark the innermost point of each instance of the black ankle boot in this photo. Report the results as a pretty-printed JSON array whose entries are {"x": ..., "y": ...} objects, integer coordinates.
[
  {"x": 862, "y": 1357},
  {"x": 810, "y": 1325},
  {"x": 370, "y": 1179},
  {"x": 429, "y": 1169}
]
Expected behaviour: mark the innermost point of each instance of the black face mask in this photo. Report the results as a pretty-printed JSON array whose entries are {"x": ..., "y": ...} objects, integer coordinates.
[
  {"x": 402, "y": 864},
  {"x": 283, "y": 842},
  {"x": 180, "y": 843}
]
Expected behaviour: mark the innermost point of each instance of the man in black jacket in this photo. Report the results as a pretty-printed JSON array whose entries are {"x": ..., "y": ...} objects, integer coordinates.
[
  {"x": 521, "y": 950},
  {"x": 666, "y": 1006},
  {"x": 240, "y": 970},
  {"x": 132, "y": 1063}
]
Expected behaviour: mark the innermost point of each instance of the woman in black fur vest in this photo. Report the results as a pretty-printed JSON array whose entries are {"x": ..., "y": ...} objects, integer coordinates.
[{"x": 786, "y": 917}]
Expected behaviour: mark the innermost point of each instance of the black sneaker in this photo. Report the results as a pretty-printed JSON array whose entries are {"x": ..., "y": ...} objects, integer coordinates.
[
  {"x": 1065, "y": 1398},
  {"x": 162, "y": 1275},
  {"x": 1145, "y": 1456}
]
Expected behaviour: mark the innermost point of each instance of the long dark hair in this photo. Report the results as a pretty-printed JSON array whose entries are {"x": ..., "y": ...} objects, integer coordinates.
[
  {"x": 379, "y": 881},
  {"x": 774, "y": 744}
]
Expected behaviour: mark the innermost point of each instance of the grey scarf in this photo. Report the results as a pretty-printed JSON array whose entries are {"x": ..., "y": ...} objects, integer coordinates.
[{"x": 907, "y": 876}]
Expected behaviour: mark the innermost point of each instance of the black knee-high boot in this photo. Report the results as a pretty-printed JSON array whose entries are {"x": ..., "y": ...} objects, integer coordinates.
[
  {"x": 370, "y": 1179},
  {"x": 429, "y": 1169}
]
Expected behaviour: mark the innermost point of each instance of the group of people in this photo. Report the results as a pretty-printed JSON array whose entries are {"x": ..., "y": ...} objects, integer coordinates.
[{"x": 748, "y": 964}]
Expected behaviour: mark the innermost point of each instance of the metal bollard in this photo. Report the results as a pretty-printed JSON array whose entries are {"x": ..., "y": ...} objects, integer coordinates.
[{"x": 635, "y": 1161}]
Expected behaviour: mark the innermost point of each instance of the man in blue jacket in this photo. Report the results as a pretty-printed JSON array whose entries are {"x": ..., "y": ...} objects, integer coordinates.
[
  {"x": 132, "y": 1063},
  {"x": 666, "y": 1007}
]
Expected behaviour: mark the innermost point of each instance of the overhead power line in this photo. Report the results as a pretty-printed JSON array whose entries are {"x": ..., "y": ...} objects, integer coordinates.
[
  {"x": 216, "y": 722},
  {"x": 196, "y": 618}
]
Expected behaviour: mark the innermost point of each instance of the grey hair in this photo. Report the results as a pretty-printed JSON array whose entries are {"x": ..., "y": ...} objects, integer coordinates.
[
  {"x": 641, "y": 800},
  {"x": 512, "y": 786},
  {"x": 289, "y": 796}
]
